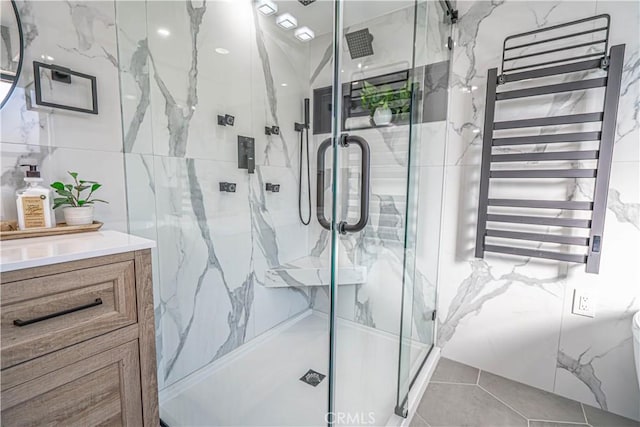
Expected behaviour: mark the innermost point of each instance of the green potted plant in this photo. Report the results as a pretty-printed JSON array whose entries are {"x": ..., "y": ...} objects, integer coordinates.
[
  {"x": 377, "y": 102},
  {"x": 401, "y": 104},
  {"x": 78, "y": 209}
]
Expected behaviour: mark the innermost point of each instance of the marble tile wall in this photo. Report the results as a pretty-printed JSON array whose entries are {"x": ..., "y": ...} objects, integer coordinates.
[
  {"x": 80, "y": 36},
  {"x": 515, "y": 313},
  {"x": 192, "y": 62},
  {"x": 214, "y": 248}
]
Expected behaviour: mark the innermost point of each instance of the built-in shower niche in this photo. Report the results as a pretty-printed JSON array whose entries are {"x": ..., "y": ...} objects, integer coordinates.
[
  {"x": 413, "y": 96},
  {"x": 313, "y": 271}
]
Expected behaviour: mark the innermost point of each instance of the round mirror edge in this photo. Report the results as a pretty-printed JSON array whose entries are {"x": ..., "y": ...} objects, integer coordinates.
[{"x": 20, "y": 60}]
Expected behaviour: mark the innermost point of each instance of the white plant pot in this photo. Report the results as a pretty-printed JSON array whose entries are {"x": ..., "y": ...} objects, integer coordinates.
[
  {"x": 78, "y": 215},
  {"x": 382, "y": 116}
]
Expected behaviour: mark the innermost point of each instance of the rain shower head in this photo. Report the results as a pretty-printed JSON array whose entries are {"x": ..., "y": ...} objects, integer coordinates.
[
  {"x": 359, "y": 43},
  {"x": 306, "y": 2}
]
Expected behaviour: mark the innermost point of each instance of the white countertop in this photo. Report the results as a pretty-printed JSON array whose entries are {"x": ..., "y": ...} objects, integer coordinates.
[{"x": 38, "y": 251}]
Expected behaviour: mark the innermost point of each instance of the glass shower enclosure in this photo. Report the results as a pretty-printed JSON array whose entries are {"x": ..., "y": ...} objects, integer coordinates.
[{"x": 282, "y": 154}]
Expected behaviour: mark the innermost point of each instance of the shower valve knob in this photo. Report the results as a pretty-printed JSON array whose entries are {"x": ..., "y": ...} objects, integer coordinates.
[
  {"x": 273, "y": 130},
  {"x": 227, "y": 187},
  {"x": 274, "y": 188},
  {"x": 226, "y": 120}
]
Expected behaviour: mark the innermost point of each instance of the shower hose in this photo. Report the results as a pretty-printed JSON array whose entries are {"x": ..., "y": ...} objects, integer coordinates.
[{"x": 302, "y": 143}]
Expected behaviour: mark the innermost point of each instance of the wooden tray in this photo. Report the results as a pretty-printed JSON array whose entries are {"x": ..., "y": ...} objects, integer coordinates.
[{"x": 9, "y": 230}]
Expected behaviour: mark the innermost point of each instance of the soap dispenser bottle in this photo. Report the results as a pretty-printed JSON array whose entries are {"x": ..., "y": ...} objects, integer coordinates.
[{"x": 34, "y": 202}]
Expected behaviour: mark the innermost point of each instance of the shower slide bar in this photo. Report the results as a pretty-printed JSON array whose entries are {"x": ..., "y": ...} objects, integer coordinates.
[
  {"x": 525, "y": 227},
  {"x": 365, "y": 175}
]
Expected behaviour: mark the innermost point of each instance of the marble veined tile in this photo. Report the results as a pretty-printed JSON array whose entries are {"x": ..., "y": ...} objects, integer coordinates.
[
  {"x": 595, "y": 358},
  {"x": 215, "y": 248},
  {"x": 77, "y": 36},
  {"x": 592, "y": 357},
  {"x": 487, "y": 303},
  {"x": 135, "y": 79},
  {"x": 54, "y": 164}
]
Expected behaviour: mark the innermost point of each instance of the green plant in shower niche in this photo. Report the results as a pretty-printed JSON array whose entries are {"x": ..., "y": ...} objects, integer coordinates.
[
  {"x": 397, "y": 100},
  {"x": 402, "y": 101},
  {"x": 71, "y": 194},
  {"x": 373, "y": 98}
]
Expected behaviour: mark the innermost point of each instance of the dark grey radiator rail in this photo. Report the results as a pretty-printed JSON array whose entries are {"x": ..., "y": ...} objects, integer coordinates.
[
  {"x": 549, "y": 121},
  {"x": 532, "y": 219}
]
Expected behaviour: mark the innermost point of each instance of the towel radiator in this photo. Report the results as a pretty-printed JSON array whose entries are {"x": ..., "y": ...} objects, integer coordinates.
[{"x": 529, "y": 58}]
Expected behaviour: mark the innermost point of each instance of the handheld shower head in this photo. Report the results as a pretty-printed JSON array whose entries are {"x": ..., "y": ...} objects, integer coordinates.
[{"x": 306, "y": 113}]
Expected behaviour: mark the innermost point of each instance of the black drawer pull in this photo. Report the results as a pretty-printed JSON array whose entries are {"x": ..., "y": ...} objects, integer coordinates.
[{"x": 19, "y": 322}]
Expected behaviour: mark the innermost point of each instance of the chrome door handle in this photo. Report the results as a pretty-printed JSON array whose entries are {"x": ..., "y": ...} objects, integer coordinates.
[{"x": 365, "y": 172}]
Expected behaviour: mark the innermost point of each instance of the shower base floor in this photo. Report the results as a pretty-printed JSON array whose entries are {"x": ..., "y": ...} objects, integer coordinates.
[{"x": 259, "y": 384}]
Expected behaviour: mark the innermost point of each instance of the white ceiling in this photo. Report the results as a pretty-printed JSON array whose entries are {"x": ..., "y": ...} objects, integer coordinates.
[{"x": 319, "y": 15}]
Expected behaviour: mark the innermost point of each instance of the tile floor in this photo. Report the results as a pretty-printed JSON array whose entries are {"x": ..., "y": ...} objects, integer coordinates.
[{"x": 460, "y": 395}]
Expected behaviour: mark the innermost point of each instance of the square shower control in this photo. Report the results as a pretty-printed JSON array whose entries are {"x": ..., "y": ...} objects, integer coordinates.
[{"x": 246, "y": 153}]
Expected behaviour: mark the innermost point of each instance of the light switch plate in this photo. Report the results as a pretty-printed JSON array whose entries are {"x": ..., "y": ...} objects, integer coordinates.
[{"x": 584, "y": 303}]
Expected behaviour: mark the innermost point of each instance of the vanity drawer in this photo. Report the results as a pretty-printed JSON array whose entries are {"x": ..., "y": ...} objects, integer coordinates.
[
  {"x": 48, "y": 313},
  {"x": 103, "y": 389}
]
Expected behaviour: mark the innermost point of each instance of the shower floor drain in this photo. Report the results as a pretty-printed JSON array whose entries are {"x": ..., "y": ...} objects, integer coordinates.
[{"x": 312, "y": 377}]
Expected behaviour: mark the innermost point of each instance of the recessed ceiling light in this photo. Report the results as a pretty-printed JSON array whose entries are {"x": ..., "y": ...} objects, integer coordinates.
[
  {"x": 266, "y": 7},
  {"x": 304, "y": 34},
  {"x": 287, "y": 21},
  {"x": 222, "y": 51},
  {"x": 163, "y": 32},
  {"x": 283, "y": 85}
]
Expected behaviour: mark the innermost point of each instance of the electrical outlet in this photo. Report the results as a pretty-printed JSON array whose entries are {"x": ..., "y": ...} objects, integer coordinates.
[{"x": 584, "y": 303}]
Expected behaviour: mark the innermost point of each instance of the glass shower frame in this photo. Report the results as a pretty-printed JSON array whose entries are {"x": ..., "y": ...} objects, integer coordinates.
[
  {"x": 408, "y": 367},
  {"x": 439, "y": 44},
  {"x": 150, "y": 223}
]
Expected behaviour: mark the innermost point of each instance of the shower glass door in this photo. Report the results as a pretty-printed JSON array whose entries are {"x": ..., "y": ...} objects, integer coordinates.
[
  {"x": 278, "y": 272},
  {"x": 380, "y": 96}
]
